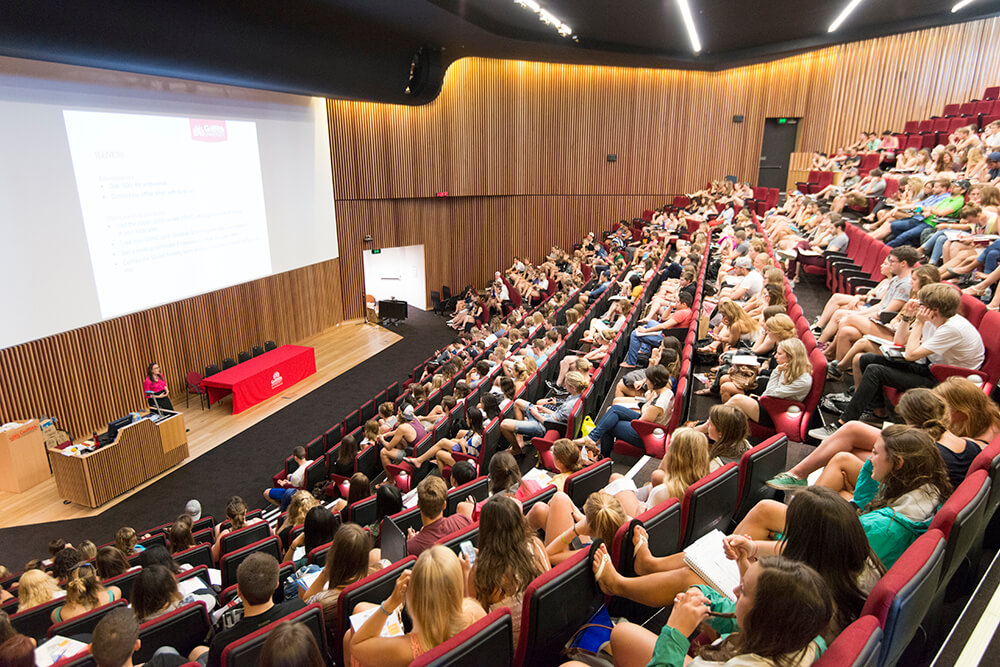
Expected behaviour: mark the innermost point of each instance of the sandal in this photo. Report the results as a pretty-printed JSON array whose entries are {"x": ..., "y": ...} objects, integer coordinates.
[{"x": 705, "y": 392}]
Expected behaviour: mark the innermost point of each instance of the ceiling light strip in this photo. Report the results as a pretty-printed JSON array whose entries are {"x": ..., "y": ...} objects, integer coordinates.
[
  {"x": 851, "y": 6},
  {"x": 689, "y": 24},
  {"x": 547, "y": 17},
  {"x": 960, "y": 5}
]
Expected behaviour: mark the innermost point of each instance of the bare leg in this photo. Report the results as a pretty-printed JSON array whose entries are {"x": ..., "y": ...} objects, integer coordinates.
[
  {"x": 645, "y": 562},
  {"x": 559, "y": 518},
  {"x": 763, "y": 520},
  {"x": 632, "y": 645},
  {"x": 655, "y": 590},
  {"x": 841, "y": 474},
  {"x": 854, "y": 436},
  {"x": 748, "y": 406},
  {"x": 349, "y": 635}
]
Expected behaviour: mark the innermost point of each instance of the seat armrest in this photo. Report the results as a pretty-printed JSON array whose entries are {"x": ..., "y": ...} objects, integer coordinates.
[{"x": 943, "y": 371}]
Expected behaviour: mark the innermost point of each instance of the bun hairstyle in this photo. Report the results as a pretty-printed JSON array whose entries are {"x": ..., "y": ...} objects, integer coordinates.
[
  {"x": 605, "y": 516},
  {"x": 83, "y": 588},
  {"x": 925, "y": 410}
]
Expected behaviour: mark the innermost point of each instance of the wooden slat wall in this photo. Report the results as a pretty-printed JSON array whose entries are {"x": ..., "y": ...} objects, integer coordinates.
[
  {"x": 467, "y": 238},
  {"x": 524, "y": 144},
  {"x": 90, "y": 375}
]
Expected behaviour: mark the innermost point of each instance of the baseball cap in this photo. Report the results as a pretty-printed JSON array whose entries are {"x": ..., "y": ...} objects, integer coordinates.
[
  {"x": 995, "y": 156},
  {"x": 964, "y": 184},
  {"x": 407, "y": 413},
  {"x": 193, "y": 509},
  {"x": 744, "y": 263}
]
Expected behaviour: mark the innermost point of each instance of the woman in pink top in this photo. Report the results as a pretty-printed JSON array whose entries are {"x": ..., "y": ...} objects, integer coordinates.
[{"x": 156, "y": 383}]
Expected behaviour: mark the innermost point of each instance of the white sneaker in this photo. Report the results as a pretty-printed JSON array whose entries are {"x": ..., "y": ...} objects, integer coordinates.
[
  {"x": 823, "y": 432},
  {"x": 787, "y": 254}
]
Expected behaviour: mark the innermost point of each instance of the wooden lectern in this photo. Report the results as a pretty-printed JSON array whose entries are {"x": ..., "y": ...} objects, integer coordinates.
[
  {"x": 140, "y": 452},
  {"x": 22, "y": 458}
]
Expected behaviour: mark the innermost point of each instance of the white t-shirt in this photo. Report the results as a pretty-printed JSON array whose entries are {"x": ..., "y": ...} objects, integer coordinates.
[
  {"x": 298, "y": 477},
  {"x": 665, "y": 401},
  {"x": 955, "y": 343},
  {"x": 753, "y": 282}
]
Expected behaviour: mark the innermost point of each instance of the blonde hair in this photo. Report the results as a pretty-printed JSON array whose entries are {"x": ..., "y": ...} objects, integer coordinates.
[
  {"x": 35, "y": 587},
  {"x": 83, "y": 589},
  {"x": 236, "y": 511},
  {"x": 961, "y": 395},
  {"x": 774, "y": 275},
  {"x": 530, "y": 364},
  {"x": 686, "y": 460},
  {"x": 735, "y": 314},
  {"x": 575, "y": 380},
  {"x": 301, "y": 503},
  {"x": 436, "y": 595},
  {"x": 781, "y": 326},
  {"x": 371, "y": 429},
  {"x": 605, "y": 516},
  {"x": 798, "y": 361}
]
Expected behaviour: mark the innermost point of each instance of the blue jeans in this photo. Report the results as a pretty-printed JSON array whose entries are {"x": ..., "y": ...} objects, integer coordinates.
[
  {"x": 935, "y": 246},
  {"x": 599, "y": 290},
  {"x": 904, "y": 224},
  {"x": 910, "y": 237},
  {"x": 990, "y": 257},
  {"x": 639, "y": 343},
  {"x": 615, "y": 425}
]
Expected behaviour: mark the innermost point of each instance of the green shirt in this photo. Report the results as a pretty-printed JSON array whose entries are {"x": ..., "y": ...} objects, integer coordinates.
[{"x": 952, "y": 205}]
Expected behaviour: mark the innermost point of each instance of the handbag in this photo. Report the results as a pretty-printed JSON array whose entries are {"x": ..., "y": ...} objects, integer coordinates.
[
  {"x": 744, "y": 377},
  {"x": 588, "y": 642},
  {"x": 587, "y": 426}
]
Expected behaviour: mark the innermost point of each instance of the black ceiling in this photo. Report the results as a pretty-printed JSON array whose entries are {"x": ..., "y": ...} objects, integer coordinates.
[{"x": 362, "y": 49}]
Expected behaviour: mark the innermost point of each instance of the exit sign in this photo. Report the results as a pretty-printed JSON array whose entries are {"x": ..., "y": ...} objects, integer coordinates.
[
  {"x": 782, "y": 121},
  {"x": 377, "y": 251}
]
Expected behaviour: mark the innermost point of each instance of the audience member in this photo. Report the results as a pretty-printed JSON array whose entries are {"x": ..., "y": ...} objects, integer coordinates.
[{"x": 432, "y": 495}]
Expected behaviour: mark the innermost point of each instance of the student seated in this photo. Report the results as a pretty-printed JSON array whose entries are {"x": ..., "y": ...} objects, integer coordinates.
[
  {"x": 256, "y": 581},
  {"x": 281, "y": 495},
  {"x": 434, "y": 595},
  {"x": 432, "y": 497}
]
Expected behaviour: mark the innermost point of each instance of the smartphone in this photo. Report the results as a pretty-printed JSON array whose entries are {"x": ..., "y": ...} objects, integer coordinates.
[{"x": 469, "y": 551}]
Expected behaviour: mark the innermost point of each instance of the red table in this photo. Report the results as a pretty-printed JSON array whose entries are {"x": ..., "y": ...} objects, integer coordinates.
[{"x": 261, "y": 377}]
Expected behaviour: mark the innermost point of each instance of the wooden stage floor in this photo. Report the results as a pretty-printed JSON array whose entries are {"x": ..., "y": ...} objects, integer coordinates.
[{"x": 338, "y": 350}]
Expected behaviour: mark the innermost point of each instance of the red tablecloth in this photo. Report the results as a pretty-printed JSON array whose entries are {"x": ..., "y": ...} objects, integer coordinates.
[{"x": 261, "y": 377}]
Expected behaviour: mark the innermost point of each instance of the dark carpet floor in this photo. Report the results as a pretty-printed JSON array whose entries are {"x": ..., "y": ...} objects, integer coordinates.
[{"x": 244, "y": 464}]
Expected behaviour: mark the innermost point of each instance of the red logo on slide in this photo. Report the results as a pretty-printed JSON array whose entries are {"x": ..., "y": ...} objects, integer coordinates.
[{"x": 208, "y": 130}]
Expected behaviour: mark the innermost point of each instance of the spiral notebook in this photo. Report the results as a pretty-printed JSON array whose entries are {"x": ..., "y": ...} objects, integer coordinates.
[{"x": 707, "y": 559}]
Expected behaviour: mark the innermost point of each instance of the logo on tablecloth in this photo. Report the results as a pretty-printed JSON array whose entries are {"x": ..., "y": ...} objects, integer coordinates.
[{"x": 276, "y": 380}]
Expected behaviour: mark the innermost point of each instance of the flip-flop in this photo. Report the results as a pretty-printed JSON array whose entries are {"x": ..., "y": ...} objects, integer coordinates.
[{"x": 600, "y": 569}]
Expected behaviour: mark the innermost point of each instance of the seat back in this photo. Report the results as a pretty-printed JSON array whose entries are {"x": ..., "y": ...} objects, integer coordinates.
[
  {"x": 245, "y": 651},
  {"x": 84, "y": 623},
  {"x": 543, "y": 496},
  {"x": 555, "y": 605},
  {"x": 124, "y": 582},
  {"x": 81, "y": 659},
  {"x": 709, "y": 503},
  {"x": 961, "y": 520},
  {"x": 333, "y": 435},
  {"x": 368, "y": 462},
  {"x": 478, "y": 488},
  {"x": 972, "y": 309},
  {"x": 315, "y": 448},
  {"x": 904, "y": 594},
  {"x": 408, "y": 518},
  {"x": 857, "y": 645},
  {"x": 364, "y": 512},
  {"x": 352, "y": 421},
  {"x": 757, "y": 466},
  {"x": 183, "y": 629},
  {"x": 199, "y": 554},
  {"x": 35, "y": 622},
  {"x": 488, "y": 641},
  {"x": 989, "y": 460},
  {"x": 991, "y": 364},
  {"x": 231, "y": 561},
  {"x": 454, "y": 540},
  {"x": 244, "y": 536},
  {"x": 582, "y": 483},
  {"x": 374, "y": 588},
  {"x": 270, "y": 345}
]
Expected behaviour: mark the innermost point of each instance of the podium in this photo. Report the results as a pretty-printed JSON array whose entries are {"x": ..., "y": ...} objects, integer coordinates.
[
  {"x": 141, "y": 451},
  {"x": 22, "y": 458}
]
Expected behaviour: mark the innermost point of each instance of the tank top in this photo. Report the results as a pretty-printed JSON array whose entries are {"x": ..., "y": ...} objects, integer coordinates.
[
  {"x": 420, "y": 430},
  {"x": 958, "y": 463}
]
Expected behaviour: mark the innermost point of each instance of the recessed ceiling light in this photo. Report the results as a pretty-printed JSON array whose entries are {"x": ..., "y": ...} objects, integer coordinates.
[
  {"x": 689, "y": 24},
  {"x": 960, "y": 5},
  {"x": 851, "y": 6},
  {"x": 547, "y": 17}
]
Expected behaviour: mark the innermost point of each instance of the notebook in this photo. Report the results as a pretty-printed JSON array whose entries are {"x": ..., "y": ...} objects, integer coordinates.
[
  {"x": 708, "y": 559},
  {"x": 393, "y": 541}
]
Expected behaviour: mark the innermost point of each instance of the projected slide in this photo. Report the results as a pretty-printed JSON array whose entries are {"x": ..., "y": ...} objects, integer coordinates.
[{"x": 172, "y": 206}]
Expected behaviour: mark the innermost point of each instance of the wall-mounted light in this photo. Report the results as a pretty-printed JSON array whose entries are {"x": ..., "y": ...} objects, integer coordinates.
[{"x": 960, "y": 5}]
